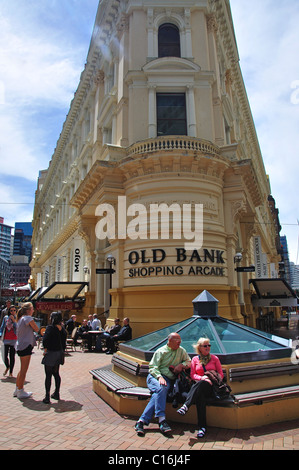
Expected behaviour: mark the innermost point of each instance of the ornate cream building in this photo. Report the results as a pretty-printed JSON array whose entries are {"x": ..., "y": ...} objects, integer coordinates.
[{"x": 160, "y": 116}]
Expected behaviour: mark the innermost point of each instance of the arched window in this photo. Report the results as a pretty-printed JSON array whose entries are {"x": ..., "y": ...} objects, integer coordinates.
[{"x": 169, "y": 41}]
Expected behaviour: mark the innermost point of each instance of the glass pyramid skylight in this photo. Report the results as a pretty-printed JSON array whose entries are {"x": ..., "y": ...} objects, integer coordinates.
[{"x": 230, "y": 341}]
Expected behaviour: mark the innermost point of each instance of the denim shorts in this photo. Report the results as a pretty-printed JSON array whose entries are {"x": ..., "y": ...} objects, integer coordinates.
[{"x": 25, "y": 352}]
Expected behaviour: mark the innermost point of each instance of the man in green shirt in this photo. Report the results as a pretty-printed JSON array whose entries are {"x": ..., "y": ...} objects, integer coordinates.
[{"x": 159, "y": 380}]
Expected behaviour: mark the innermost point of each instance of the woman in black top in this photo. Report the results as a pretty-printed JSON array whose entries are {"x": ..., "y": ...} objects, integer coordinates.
[{"x": 54, "y": 342}]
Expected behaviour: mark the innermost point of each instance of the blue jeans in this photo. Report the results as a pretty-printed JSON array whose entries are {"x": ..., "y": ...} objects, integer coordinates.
[{"x": 157, "y": 403}]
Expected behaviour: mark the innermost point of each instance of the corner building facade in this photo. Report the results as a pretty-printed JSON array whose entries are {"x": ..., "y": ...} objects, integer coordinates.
[{"x": 160, "y": 116}]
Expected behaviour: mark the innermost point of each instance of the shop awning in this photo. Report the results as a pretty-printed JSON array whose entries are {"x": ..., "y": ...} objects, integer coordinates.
[
  {"x": 273, "y": 293},
  {"x": 59, "y": 296}
]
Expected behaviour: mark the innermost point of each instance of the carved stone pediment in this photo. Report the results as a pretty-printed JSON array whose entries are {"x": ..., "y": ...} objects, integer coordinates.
[{"x": 165, "y": 64}]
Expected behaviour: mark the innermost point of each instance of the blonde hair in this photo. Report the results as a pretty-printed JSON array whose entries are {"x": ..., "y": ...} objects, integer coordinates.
[
  {"x": 199, "y": 343},
  {"x": 23, "y": 309}
]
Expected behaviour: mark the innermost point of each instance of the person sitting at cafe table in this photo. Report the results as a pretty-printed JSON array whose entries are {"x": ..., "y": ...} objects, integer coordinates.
[
  {"x": 89, "y": 321},
  {"x": 82, "y": 332},
  {"x": 96, "y": 323},
  {"x": 113, "y": 330},
  {"x": 71, "y": 324},
  {"x": 125, "y": 334}
]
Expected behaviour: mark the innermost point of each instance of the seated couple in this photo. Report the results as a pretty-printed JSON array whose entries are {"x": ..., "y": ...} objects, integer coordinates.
[{"x": 161, "y": 378}]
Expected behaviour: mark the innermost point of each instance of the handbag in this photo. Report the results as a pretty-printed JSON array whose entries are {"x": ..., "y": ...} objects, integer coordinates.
[
  {"x": 180, "y": 387},
  {"x": 221, "y": 390}
]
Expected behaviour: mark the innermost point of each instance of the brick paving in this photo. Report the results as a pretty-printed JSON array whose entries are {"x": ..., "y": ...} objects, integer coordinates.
[{"x": 83, "y": 421}]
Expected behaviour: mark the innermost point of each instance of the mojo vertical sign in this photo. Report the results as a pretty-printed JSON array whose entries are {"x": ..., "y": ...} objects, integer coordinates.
[{"x": 78, "y": 260}]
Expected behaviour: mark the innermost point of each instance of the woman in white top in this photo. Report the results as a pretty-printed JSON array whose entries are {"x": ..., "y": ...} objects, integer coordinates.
[{"x": 26, "y": 341}]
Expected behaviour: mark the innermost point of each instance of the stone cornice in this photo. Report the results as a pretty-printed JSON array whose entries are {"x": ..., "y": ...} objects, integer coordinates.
[
  {"x": 91, "y": 183},
  {"x": 58, "y": 241},
  {"x": 246, "y": 169}
]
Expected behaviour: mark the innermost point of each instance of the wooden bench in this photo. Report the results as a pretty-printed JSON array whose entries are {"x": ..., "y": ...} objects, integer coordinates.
[
  {"x": 238, "y": 374},
  {"x": 130, "y": 366},
  {"x": 121, "y": 386},
  {"x": 266, "y": 395},
  {"x": 118, "y": 385},
  {"x": 235, "y": 374},
  {"x": 134, "y": 367}
]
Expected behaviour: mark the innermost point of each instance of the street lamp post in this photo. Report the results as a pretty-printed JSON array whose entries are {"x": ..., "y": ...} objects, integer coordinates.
[{"x": 111, "y": 261}]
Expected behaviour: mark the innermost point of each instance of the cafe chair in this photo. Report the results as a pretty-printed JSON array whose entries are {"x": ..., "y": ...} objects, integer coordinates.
[{"x": 70, "y": 340}]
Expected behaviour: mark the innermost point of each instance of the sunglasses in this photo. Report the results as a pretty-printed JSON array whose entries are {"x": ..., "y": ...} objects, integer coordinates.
[{"x": 206, "y": 346}]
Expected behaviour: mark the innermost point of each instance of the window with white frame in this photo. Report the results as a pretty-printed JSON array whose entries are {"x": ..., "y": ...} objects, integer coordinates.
[
  {"x": 169, "y": 44},
  {"x": 171, "y": 114}
]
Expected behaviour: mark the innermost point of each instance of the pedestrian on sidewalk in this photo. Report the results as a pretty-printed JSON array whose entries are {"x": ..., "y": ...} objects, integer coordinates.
[
  {"x": 26, "y": 327},
  {"x": 8, "y": 333},
  {"x": 54, "y": 343},
  {"x": 160, "y": 379}
]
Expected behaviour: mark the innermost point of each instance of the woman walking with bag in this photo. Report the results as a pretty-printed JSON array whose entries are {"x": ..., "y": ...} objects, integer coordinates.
[
  {"x": 54, "y": 342},
  {"x": 203, "y": 387},
  {"x": 25, "y": 343},
  {"x": 8, "y": 333}
]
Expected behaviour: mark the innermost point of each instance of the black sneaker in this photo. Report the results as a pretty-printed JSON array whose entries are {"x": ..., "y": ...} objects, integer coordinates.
[
  {"x": 139, "y": 428},
  {"x": 164, "y": 427}
]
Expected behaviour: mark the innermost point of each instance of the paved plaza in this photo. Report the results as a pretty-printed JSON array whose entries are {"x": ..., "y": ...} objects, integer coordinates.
[{"x": 83, "y": 421}]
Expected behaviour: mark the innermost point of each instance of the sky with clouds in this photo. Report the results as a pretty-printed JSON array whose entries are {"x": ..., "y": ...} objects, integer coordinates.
[{"x": 43, "y": 49}]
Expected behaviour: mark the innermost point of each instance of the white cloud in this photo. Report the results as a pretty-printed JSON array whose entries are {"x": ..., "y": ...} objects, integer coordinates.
[
  {"x": 36, "y": 70},
  {"x": 39, "y": 74},
  {"x": 16, "y": 156},
  {"x": 43, "y": 48},
  {"x": 13, "y": 202}
]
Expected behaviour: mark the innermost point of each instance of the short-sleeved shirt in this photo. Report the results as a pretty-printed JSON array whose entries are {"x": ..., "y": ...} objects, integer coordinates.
[{"x": 25, "y": 333}]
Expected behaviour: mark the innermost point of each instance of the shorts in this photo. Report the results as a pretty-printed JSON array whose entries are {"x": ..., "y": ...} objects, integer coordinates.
[{"x": 25, "y": 352}]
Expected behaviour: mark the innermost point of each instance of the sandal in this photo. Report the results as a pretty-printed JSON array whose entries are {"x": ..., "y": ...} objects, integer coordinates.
[{"x": 201, "y": 433}]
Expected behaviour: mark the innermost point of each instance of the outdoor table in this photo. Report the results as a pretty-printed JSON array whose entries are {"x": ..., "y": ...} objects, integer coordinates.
[{"x": 94, "y": 334}]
